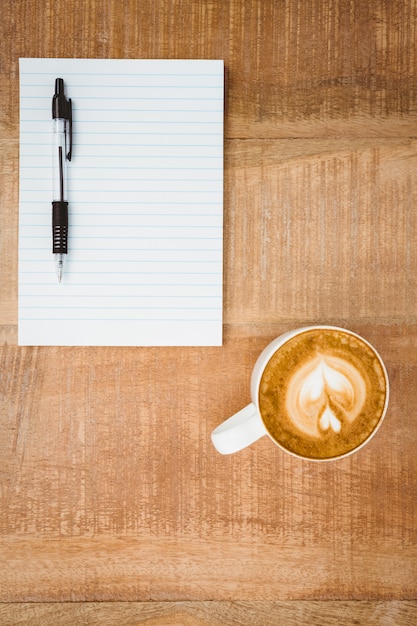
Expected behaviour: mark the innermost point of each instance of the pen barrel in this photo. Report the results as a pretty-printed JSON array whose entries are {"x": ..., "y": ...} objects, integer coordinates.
[
  {"x": 59, "y": 160},
  {"x": 59, "y": 227}
]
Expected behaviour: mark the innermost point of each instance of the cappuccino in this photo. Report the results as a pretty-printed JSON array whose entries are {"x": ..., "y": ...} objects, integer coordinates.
[{"x": 323, "y": 393}]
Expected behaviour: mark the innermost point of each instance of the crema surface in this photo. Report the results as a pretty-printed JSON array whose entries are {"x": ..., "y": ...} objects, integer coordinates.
[{"x": 322, "y": 393}]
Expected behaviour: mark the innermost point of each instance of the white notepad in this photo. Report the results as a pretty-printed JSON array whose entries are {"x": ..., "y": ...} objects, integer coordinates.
[{"x": 145, "y": 192}]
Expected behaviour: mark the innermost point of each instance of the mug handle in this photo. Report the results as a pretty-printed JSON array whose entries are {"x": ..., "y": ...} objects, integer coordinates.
[{"x": 239, "y": 431}]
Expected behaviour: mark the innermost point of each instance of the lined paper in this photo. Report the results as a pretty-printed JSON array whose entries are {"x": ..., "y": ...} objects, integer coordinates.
[{"x": 145, "y": 192}]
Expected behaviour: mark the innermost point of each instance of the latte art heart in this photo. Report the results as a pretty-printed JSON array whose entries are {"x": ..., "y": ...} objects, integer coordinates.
[
  {"x": 329, "y": 420},
  {"x": 324, "y": 394}
]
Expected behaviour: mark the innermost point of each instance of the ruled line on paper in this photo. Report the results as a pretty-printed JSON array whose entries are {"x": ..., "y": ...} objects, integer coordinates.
[{"x": 146, "y": 202}]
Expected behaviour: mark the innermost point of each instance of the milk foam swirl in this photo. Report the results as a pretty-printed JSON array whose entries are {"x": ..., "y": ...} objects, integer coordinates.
[{"x": 324, "y": 394}]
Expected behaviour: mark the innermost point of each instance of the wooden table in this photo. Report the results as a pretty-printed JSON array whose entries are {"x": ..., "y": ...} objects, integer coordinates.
[{"x": 110, "y": 488}]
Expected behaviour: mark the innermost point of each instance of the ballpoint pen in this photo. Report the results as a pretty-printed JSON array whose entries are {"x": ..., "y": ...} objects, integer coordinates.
[{"x": 61, "y": 153}]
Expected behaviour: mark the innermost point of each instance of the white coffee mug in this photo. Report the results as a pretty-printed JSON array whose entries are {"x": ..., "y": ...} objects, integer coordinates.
[{"x": 247, "y": 426}]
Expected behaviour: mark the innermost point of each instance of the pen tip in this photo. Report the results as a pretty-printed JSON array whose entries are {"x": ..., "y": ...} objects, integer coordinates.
[{"x": 59, "y": 266}]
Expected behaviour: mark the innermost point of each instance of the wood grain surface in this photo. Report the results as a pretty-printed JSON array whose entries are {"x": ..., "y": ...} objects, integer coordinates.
[
  {"x": 110, "y": 489},
  {"x": 301, "y": 613}
]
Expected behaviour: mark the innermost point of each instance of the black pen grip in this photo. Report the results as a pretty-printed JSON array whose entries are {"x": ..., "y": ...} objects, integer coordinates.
[{"x": 59, "y": 226}]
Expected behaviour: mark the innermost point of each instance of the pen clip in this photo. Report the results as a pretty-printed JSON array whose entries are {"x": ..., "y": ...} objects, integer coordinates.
[
  {"x": 69, "y": 118},
  {"x": 62, "y": 109}
]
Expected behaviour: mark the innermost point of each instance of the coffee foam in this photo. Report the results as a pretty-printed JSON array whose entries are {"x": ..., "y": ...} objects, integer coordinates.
[{"x": 324, "y": 393}]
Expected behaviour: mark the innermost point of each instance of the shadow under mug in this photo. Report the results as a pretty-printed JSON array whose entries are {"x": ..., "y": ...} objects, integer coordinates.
[{"x": 247, "y": 425}]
